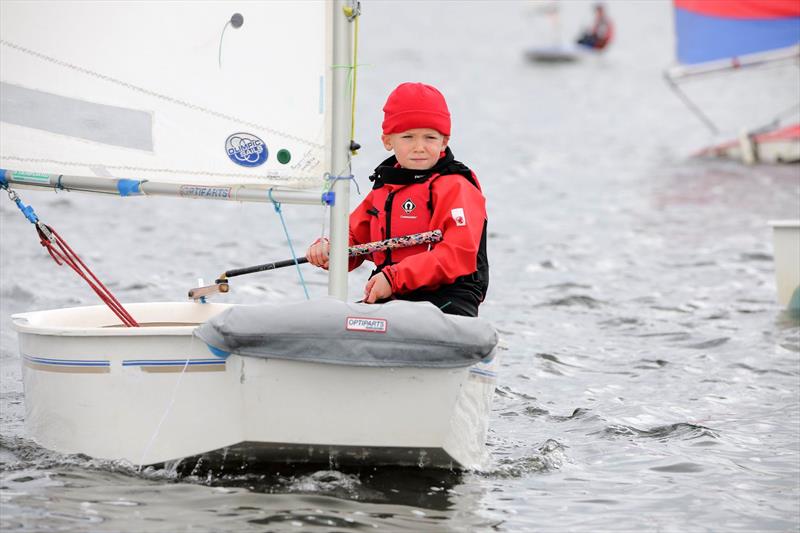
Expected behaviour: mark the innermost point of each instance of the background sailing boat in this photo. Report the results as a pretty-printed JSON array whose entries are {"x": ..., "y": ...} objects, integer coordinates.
[{"x": 719, "y": 39}]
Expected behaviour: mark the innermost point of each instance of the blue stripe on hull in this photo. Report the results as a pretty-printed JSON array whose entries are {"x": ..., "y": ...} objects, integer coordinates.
[
  {"x": 105, "y": 363},
  {"x": 482, "y": 372},
  {"x": 173, "y": 362},
  {"x": 66, "y": 362}
]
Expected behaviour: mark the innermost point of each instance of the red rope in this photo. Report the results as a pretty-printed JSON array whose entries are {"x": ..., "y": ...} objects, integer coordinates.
[{"x": 65, "y": 255}]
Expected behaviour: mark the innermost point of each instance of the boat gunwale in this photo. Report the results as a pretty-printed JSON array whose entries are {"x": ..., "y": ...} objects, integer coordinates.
[
  {"x": 21, "y": 322},
  {"x": 785, "y": 223}
]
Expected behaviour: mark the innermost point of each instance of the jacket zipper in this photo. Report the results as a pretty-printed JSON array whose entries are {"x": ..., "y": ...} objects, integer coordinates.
[{"x": 387, "y": 212}]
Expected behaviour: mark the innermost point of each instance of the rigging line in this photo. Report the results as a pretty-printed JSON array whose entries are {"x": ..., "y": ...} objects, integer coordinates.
[
  {"x": 326, "y": 187},
  {"x": 236, "y": 22},
  {"x": 165, "y": 414},
  {"x": 351, "y": 81},
  {"x": 277, "y": 207},
  {"x": 786, "y": 112},
  {"x": 160, "y": 96},
  {"x": 65, "y": 255},
  {"x": 62, "y": 254},
  {"x": 775, "y": 121},
  {"x": 333, "y": 179},
  {"x": 324, "y": 219},
  {"x": 330, "y": 181},
  {"x": 691, "y": 105},
  {"x": 353, "y": 12},
  {"x": 219, "y": 54},
  {"x": 354, "y": 73}
]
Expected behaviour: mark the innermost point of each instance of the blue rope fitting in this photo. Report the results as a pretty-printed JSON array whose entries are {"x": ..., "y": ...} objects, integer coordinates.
[
  {"x": 275, "y": 204},
  {"x": 329, "y": 198},
  {"x": 27, "y": 211},
  {"x": 127, "y": 187}
]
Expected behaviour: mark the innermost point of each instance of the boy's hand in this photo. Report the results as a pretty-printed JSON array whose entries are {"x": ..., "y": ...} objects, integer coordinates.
[
  {"x": 317, "y": 253},
  {"x": 377, "y": 288}
]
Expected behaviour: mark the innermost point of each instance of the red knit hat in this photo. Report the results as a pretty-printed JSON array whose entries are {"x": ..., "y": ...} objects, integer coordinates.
[{"x": 415, "y": 105}]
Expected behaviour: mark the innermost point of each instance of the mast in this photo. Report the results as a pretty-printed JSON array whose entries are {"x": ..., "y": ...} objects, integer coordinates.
[{"x": 340, "y": 147}]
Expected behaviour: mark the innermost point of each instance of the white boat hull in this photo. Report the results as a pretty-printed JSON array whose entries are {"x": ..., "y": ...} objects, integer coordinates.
[
  {"x": 786, "y": 241},
  {"x": 156, "y": 393}
]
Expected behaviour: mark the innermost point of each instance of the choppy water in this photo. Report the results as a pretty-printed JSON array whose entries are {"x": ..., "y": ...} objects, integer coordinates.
[{"x": 649, "y": 381}]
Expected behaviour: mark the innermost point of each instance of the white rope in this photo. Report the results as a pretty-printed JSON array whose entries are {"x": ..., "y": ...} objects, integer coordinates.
[{"x": 164, "y": 416}]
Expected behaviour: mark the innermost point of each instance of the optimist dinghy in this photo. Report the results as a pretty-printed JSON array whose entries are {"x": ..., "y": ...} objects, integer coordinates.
[
  {"x": 322, "y": 381},
  {"x": 399, "y": 383}
]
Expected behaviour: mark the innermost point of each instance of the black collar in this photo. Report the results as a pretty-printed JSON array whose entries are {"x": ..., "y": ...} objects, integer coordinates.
[{"x": 388, "y": 172}]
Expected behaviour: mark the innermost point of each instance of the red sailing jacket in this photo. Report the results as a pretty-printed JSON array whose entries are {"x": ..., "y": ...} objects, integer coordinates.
[
  {"x": 407, "y": 201},
  {"x": 603, "y": 31}
]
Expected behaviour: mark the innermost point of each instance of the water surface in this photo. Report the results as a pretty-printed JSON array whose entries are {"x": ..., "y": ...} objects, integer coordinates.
[{"x": 649, "y": 380}]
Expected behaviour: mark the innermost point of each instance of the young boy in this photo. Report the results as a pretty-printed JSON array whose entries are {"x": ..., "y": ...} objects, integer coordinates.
[{"x": 421, "y": 188}]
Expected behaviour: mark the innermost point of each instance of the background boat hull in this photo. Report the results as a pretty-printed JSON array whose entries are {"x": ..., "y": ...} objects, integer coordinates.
[{"x": 786, "y": 241}]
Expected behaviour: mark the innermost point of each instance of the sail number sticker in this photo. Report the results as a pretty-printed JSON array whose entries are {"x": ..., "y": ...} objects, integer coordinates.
[
  {"x": 246, "y": 149},
  {"x": 373, "y": 325}
]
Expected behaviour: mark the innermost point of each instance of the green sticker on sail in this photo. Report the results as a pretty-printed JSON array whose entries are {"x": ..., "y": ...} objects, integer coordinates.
[{"x": 284, "y": 156}]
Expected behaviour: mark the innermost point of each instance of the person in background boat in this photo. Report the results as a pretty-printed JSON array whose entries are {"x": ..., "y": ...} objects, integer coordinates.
[
  {"x": 599, "y": 35},
  {"x": 420, "y": 188}
]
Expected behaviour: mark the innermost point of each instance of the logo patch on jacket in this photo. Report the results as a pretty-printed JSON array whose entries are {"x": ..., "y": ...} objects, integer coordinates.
[
  {"x": 408, "y": 206},
  {"x": 458, "y": 216}
]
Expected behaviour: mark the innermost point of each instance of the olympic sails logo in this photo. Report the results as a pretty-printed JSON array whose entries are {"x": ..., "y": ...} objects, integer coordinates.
[{"x": 246, "y": 149}]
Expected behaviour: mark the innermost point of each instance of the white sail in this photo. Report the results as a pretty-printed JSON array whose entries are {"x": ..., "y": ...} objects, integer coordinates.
[{"x": 168, "y": 92}]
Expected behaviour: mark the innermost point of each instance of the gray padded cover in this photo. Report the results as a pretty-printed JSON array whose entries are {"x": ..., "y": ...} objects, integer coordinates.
[{"x": 326, "y": 330}]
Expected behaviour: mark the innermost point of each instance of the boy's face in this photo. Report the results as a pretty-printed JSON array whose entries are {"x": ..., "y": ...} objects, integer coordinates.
[{"x": 416, "y": 149}]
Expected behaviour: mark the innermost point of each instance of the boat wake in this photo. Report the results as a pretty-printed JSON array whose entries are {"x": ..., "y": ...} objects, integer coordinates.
[
  {"x": 679, "y": 431},
  {"x": 548, "y": 457}
]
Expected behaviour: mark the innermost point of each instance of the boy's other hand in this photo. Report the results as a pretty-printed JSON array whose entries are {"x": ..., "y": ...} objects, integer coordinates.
[
  {"x": 377, "y": 288},
  {"x": 317, "y": 253}
]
